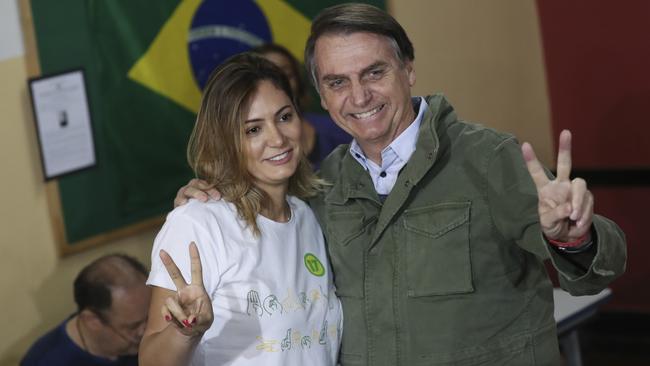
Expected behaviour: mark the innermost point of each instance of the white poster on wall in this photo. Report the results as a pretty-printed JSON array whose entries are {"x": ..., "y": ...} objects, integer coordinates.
[{"x": 63, "y": 123}]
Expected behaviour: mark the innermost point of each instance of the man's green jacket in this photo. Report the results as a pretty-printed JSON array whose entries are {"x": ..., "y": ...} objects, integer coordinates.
[{"x": 448, "y": 270}]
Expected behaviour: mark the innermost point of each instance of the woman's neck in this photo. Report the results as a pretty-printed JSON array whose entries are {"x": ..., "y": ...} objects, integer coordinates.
[{"x": 277, "y": 208}]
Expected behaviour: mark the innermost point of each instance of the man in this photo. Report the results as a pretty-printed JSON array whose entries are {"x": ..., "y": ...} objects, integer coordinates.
[
  {"x": 112, "y": 301},
  {"x": 436, "y": 231}
]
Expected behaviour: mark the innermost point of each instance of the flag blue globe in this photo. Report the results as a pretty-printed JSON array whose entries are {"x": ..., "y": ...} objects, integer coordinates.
[{"x": 222, "y": 28}]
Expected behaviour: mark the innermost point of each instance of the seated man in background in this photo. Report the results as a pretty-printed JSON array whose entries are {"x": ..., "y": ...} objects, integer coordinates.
[{"x": 112, "y": 301}]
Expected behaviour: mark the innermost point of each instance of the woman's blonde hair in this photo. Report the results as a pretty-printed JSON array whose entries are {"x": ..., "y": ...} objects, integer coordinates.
[{"x": 215, "y": 150}]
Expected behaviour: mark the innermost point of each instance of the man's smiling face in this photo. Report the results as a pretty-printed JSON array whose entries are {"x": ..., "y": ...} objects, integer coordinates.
[{"x": 365, "y": 87}]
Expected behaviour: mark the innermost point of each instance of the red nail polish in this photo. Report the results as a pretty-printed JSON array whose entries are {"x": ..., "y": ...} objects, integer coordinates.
[
  {"x": 168, "y": 318},
  {"x": 194, "y": 321},
  {"x": 186, "y": 323}
]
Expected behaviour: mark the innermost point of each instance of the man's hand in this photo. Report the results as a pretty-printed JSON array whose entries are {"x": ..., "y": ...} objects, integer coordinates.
[
  {"x": 198, "y": 189},
  {"x": 566, "y": 207}
]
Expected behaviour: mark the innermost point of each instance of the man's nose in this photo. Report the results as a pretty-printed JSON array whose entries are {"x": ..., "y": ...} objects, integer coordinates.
[{"x": 361, "y": 94}]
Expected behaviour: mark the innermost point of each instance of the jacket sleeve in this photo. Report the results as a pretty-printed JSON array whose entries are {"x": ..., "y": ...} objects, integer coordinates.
[{"x": 513, "y": 205}]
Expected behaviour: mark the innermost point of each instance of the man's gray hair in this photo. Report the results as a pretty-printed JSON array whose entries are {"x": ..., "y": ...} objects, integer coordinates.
[{"x": 354, "y": 18}]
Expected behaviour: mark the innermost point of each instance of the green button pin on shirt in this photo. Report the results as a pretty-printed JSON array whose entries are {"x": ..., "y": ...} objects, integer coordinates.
[{"x": 314, "y": 266}]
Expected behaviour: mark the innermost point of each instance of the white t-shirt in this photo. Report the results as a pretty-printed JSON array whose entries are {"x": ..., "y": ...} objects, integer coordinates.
[{"x": 272, "y": 296}]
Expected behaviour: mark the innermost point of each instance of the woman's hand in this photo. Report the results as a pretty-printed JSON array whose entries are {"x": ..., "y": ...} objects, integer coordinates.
[{"x": 190, "y": 311}]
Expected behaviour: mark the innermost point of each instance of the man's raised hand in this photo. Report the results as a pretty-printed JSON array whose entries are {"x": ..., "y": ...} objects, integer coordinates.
[{"x": 566, "y": 207}]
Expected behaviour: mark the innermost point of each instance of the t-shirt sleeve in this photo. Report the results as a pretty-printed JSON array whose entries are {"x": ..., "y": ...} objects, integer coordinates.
[{"x": 175, "y": 237}]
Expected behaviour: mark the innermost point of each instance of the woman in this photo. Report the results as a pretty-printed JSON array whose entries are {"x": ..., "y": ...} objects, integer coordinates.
[
  {"x": 260, "y": 292},
  {"x": 320, "y": 135}
]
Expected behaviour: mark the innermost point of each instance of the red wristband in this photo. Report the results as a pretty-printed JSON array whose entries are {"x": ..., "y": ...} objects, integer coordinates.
[{"x": 571, "y": 244}]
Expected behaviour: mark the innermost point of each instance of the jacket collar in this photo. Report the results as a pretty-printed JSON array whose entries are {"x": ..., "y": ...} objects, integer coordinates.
[{"x": 354, "y": 182}]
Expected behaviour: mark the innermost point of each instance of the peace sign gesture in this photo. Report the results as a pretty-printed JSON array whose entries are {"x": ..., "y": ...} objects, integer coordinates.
[
  {"x": 191, "y": 308},
  {"x": 566, "y": 207}
]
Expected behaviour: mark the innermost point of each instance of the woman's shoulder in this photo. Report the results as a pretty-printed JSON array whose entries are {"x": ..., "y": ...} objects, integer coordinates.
[{"x": 205, "y": 213}]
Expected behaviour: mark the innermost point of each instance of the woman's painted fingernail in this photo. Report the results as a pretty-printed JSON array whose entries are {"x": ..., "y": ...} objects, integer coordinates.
[
  {"x": 187, "y": 323},
  {"x": 168, "y": 318},
  {"x": 194, "y": 321}
]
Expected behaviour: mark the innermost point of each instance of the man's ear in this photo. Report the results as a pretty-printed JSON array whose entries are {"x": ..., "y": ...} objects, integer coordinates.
[
  {"x": 410, "y": 72},
  {"x": 323, "y": 103},
  {"x": 91, "y": 319}
]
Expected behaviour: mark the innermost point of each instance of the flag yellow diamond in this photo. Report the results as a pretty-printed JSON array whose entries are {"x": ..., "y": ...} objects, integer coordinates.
[{"x": 165, "y": 66}]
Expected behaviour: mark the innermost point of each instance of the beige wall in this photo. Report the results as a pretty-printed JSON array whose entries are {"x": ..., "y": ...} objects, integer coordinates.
[
  {"x": 485, "y": 56},
  {"x": 36, "y": 285},
  {"x": 35, "y": 282}
]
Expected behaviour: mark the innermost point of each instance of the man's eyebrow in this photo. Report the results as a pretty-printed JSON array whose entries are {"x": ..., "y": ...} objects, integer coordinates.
[
  {"x": 374, "y": 66},
  {"x": 363, "y": 72},
  {"x": 330, "y": 77}
]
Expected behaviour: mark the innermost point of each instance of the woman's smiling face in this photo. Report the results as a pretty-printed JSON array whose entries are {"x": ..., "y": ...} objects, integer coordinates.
[{"x": 272, "y": 130}]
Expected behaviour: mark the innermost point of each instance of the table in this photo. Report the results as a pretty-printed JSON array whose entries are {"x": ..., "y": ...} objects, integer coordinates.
[{"x": 570, "y": 312}]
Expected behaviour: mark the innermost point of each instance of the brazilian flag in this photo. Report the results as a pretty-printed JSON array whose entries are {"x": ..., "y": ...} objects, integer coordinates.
[{"x": 145, "y": 64}]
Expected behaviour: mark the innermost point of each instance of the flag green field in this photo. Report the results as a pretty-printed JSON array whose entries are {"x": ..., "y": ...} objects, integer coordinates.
[{"x": 142, "y": 94}]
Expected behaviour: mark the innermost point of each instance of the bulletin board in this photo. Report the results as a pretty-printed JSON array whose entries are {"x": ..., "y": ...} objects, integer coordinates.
[{"x": 144, "y": 64}]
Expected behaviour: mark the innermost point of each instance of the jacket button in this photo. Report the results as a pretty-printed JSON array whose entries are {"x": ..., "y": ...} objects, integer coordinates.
[
  {"x": 407, "y": 183},
  {"x": 430, "y": 156}
]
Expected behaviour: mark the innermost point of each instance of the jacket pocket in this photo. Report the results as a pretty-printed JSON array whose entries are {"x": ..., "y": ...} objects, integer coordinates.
[
  {"x": 438, "y": 250},
  {"x": 347, "y": 239}
]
